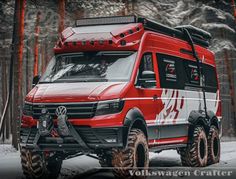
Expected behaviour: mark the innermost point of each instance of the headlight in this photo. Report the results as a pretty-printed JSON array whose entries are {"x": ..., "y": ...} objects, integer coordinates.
[
  {"x": 109, "y": 107},
  {"x": 28, "y": 109}
]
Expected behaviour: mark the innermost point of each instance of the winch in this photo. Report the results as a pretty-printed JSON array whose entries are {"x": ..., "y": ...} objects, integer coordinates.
[{"x": 45, "y": 123}]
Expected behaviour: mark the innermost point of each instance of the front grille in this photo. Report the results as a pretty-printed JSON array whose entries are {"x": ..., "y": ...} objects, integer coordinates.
[{"x": 74, "y": 111}]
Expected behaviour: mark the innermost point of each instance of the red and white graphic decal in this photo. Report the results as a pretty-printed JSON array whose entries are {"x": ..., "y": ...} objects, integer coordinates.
[{"x": 173, "y": 102}]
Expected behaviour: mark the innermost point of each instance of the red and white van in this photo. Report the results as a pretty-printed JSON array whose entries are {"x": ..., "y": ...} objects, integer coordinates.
[{"x": 120, "y": 87}]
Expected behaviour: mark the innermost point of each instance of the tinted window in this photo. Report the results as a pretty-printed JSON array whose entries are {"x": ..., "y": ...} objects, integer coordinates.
[
  {"x": 171, "y": 72},
  {"x": 191, "y": 69},
  {"x": 178, "y": 73},
  {"x": 209, "y": 73},
  {"x": 146, "y": 63}
]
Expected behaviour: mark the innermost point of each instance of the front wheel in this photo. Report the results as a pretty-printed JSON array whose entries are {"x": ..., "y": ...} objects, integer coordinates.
[
  {"x": 196, "y": 152},
  {"x": 134, "y": 157},
  {"x": 105, "y": 159},
  {"x": 36, "y": 166}
]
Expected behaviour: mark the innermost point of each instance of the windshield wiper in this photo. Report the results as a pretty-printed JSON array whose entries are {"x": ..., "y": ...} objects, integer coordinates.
[
  {"x": 97, "y": 80},
  {"x": 71, "y": 80}
]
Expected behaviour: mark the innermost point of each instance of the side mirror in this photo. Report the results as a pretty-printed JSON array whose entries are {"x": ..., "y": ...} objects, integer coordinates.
[
  {"x": 148, "y": 75},
  {"x": 147, "y": 79},
  {"x": 36, "y": 80}
]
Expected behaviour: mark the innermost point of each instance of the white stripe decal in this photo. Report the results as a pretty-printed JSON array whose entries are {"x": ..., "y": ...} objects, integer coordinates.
[
  {"x": 167, "y": 123},
  {"x": 195, "y": 99},
  {"x": 129, "y": 99}
]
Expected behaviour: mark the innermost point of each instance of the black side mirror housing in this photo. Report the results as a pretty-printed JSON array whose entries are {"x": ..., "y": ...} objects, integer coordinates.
[
  {"x": 36, "y": 80},
  {"x": 148, "y": 75},
  {"x": 147, "y": 79}
]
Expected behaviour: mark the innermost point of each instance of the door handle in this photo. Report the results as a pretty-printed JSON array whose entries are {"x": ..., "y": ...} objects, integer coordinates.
[{"x": 155, "y": 97}]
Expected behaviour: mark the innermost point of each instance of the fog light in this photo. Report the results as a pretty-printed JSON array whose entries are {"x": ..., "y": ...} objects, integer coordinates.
[{"x": 111, "y": 140}]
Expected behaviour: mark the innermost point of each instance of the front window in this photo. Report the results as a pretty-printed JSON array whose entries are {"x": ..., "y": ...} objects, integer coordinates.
[{"x": 90, "y": 66}]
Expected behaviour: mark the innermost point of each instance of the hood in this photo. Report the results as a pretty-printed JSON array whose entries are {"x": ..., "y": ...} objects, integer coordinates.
[{"x": 77, "y": 92}]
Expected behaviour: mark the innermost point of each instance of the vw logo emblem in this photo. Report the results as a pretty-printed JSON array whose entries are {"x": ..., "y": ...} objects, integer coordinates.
[{"x": 61, "y": 110}]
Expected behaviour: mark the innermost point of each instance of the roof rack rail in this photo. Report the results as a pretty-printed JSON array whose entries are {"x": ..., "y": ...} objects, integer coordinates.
[{"x": 199, "y": 36}]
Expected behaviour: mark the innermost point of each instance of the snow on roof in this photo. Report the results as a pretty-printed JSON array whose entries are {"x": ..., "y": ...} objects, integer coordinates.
[
  {"x": 97, "y": 28},
  {"x": 211, "y": 26}
]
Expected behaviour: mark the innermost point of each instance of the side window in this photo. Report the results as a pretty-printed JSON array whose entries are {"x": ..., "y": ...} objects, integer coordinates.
[
  {"x": 171, "y": 71},
  {"x": 146, "y": 63},
  {"x": 193, "y": 78},
  {"x": 191, "y": 70},
  {"x": 146, "y": 74},
  {"x": 178, "y": 73},
  {"x": 209, "y": 73}
]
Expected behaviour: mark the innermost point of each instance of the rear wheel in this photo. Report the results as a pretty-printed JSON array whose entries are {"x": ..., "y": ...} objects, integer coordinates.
[
  {"x": 36, "y": 166},
  {"x": 196, "y": 152},
  {"x": 133, "y": 157},
  {"x": 213, "y": 146}
]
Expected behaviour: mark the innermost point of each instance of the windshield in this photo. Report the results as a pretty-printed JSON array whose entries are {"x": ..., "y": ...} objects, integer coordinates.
[{"x": 90, "y": 66}]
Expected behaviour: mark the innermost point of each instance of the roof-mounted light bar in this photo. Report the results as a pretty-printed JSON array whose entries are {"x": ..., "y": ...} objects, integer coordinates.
[
  {"x": 106, "y": 20},
  {"x": 199, "y": 36}
]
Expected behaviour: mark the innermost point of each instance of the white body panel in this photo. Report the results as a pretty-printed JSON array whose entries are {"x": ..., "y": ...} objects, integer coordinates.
[{"x": 178, "y": 104}]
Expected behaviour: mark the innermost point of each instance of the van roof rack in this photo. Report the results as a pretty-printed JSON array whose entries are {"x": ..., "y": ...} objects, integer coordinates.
[{"x": 199, "y": 36}]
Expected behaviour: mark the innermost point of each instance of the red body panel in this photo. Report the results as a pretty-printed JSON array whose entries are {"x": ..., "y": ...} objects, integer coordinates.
[{"x": 77, "y": 92}]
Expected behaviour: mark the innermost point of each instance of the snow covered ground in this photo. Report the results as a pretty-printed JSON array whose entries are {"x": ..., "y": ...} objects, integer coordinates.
[{"x": 10, "y": 167}]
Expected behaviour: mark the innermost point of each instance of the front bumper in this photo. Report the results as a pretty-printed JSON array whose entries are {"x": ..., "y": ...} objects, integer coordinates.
[{"x": 81, "y": 138}]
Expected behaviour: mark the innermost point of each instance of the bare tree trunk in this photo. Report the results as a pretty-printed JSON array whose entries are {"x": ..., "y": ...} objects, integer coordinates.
[
  {"x": 234, "y": 9},
  {"x": 43, "y": 59},
  {"x": 36, "y": 44},
  {"x": 27, "y": 88},
  {"x": 231, "y": 88},
  {"x": 229, "y": 70},
  {"x": 46, "y": 56},
  {"x": 61, "y": 12},
  {"x": 21, "y": 46},
  {"x": 20, "y": 13},
  {"x": 4, "y": 92},
  {"x": 126, "y": 8}
]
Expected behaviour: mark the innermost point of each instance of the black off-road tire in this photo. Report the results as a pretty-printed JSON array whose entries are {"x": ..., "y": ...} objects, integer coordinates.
[
  {"x": 105, "y": 160},
  {"x": 133, "y": 157},
  {"x": 35, "y": 166},
  {"x": 213, "y": 146},
  {"x": 196, "y": 152}
]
